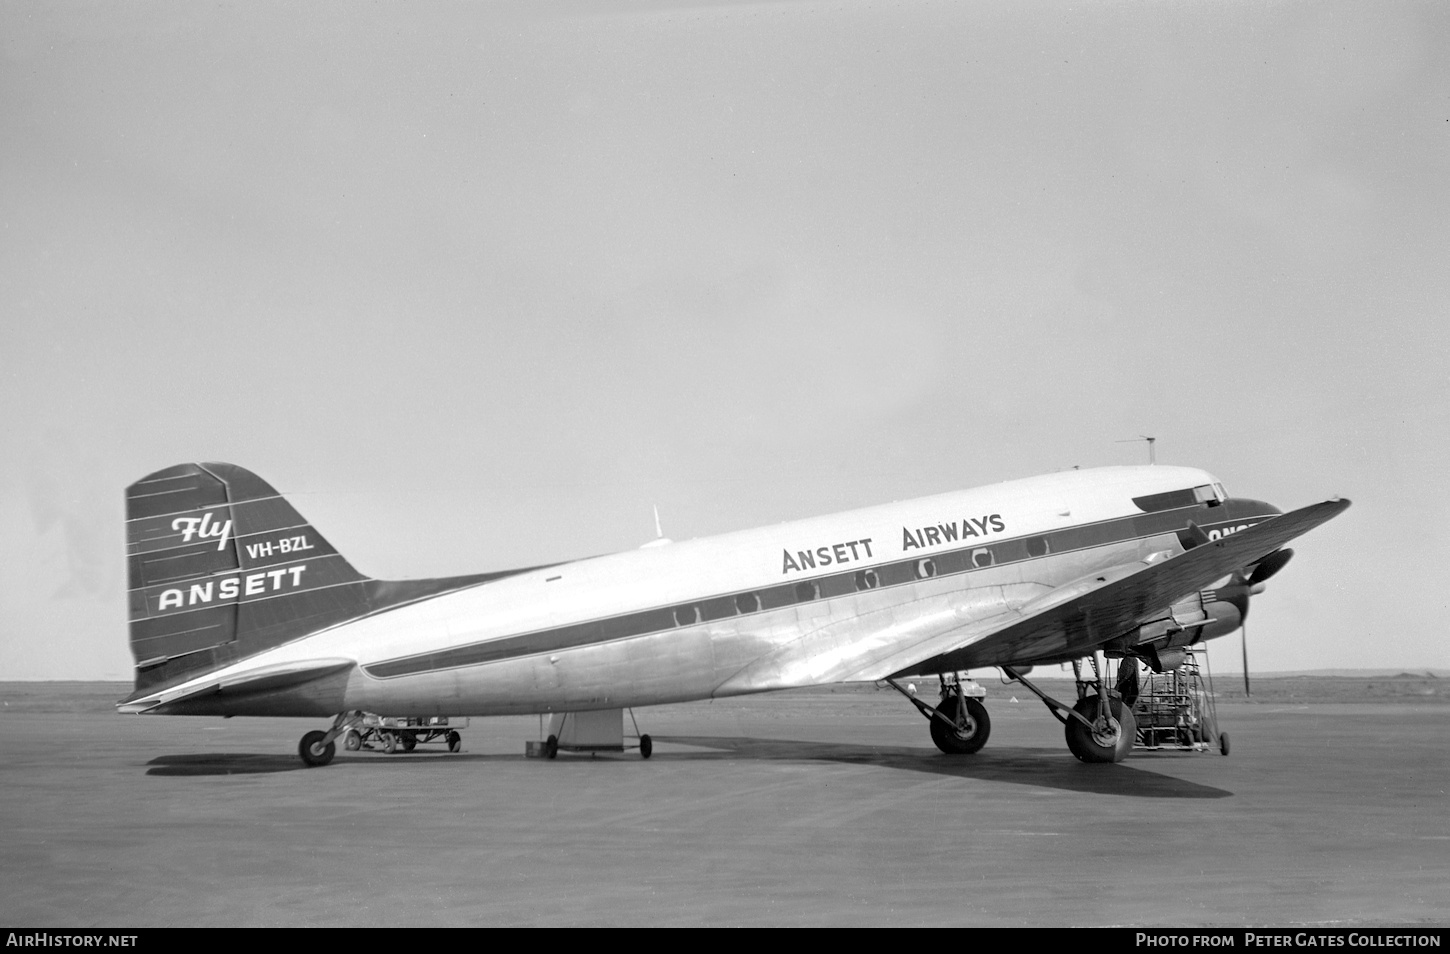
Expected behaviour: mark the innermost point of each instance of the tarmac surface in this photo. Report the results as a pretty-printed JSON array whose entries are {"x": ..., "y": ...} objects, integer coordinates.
[{"x": 807, "y": 808}]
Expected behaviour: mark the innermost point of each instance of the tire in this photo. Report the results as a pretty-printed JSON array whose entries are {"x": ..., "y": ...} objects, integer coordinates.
[
  {"x": 352, "y": 740},
  {"x": 551, "y": 747},
  {"x": 410, "y": 741},
  {"x": 1223, "y": 743},
  {"x": 390, "y": 742},
  {"x": 646, "y": 746},
  {"x": 961, "y": 742},
  {"x": 455, "y": 741},
  {"x": 1080, "y": 739},
  {"x": 313, "y": 752}
]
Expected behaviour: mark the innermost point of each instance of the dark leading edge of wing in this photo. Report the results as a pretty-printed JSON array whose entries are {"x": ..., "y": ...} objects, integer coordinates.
[{"x": 1072, "y": 629}]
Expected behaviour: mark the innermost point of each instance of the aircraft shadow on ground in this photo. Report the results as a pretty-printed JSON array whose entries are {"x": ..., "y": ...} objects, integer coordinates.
[
  {"x": 1022, "y": 766},
  {"x": 223, "y": 763},
  {"x": 251, "y": 763},
  {"x": 1003, "y": 764}
]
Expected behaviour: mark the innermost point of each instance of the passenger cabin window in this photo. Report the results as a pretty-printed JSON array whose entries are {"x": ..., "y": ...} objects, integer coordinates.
[
  {"x": 721, "y": 607},
  {"x": 805, "y": 591},
  {"x": 748, "y": 603},
  {"x": 1036, "y": 546},
  {"x": 687, "y": 615},
  {"x": 925, "y": 568},
  {"x": 982, "y": 557},
  {"x": 867, "y": 580}
]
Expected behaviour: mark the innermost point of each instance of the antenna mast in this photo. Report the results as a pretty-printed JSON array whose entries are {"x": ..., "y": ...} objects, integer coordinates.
[{"x": 1152, "y": 454}]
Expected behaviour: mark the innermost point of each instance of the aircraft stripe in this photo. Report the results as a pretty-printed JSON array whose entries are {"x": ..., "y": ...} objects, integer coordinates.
[{"x": 891, "y": 574}]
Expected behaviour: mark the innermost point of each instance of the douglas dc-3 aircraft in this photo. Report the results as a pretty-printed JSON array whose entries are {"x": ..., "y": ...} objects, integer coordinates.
[{"x": 239, "y": 607}]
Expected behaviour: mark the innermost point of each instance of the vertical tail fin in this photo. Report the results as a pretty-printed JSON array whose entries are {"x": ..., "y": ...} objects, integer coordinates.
[{"x": 222, "y": 567}]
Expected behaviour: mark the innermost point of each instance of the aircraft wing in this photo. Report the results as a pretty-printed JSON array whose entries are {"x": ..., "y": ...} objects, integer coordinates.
[
  {"x": 1060, "y": 625},
  {"x": 974, "y": 631}
]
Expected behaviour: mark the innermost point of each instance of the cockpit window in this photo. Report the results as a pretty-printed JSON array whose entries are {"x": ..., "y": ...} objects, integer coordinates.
[
  {"x": 1170, "y": 500},
  {"x": 1211, "y": 494}
]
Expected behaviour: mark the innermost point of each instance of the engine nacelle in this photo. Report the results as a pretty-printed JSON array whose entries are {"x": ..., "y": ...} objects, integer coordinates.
[
  {"x": 1206, "y": 614},
  {"x": 1223, "y": 618}
]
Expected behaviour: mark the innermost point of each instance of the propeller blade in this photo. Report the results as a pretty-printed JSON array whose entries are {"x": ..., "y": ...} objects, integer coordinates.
[
  {"x": 1244, "y": 641},
  {"x": 1270, "y": 565}
]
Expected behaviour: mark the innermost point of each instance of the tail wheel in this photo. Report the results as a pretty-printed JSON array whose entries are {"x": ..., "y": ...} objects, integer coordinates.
[
  {"x": 1110, "y": 743},
  {"x": 964, "y": 739},
  {"x": 313, "y": 752}
]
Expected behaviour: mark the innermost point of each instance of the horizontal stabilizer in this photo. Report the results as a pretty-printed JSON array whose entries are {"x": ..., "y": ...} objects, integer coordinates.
[{"x": 264, "y": 679}]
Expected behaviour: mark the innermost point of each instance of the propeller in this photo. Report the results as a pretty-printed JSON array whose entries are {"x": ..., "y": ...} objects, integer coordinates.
[
  {"x": 1264, "y": 569},
  {"x": 1240, "y": 587},
  {"x": 1244, "y": 641}
]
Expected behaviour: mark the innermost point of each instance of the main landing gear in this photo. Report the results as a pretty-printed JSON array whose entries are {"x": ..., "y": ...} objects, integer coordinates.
[
  {"x": 1100, "y": 727},
  {"x": 959, "y": 724}
]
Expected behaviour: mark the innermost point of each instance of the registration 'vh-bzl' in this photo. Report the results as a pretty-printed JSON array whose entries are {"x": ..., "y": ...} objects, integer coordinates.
[{"x": 239, "y": 607}]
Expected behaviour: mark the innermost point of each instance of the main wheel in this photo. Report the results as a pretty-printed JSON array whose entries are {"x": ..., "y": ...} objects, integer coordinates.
[
  {"x": 455, "y": 741},
  {"x": 646, "y": 746},
  {"x": 352, "y": 741},
  {"x": 313, "y": 752},
  {"x": 1106, "y": 745},
  {"x": 551, "y": 747},
  {"x": 961, "y": 740}
]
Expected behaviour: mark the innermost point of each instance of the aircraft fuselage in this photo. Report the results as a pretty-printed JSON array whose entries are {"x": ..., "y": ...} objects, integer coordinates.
[{"x": 797, "y": 604}]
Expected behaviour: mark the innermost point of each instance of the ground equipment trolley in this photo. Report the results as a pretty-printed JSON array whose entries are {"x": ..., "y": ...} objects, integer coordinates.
[
  {"x": 404, "y": 733},
  {"x": 1175, "y": 709}
]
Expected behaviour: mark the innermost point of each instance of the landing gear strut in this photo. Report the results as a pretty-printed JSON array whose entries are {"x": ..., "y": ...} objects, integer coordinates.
[
  {"x": 1106, "y": 731},
  {"x": 1099, "y": 728},
  {"x": 959, "y": 724}
]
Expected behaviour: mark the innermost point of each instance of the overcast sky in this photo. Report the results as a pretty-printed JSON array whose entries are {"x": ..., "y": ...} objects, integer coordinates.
[{"x": 479, "y": 284}]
